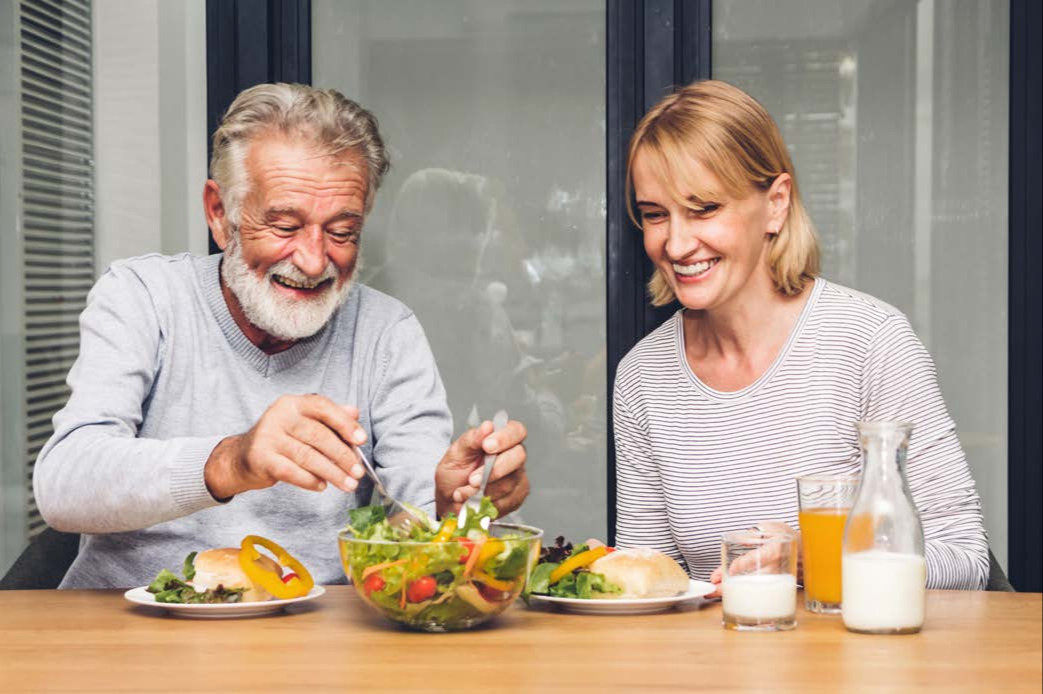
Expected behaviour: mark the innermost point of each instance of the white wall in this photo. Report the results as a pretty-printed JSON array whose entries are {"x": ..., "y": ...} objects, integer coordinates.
[{"x": 150, "y": 127}]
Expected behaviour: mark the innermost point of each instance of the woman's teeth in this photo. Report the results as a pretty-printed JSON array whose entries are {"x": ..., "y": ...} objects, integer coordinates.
[{"x": 695, "y": 268}]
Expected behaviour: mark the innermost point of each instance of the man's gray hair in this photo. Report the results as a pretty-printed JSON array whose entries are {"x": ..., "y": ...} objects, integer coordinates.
[{"x": 322, "y": 117}]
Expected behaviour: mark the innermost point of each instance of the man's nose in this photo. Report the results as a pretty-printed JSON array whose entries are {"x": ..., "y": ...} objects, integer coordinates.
[{"x": 309, "y": 255}]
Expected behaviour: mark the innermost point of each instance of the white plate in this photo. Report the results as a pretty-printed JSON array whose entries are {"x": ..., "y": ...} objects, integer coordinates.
[
  {"x": 696, "y": 590},
  {"x": 224, "y": 610}
]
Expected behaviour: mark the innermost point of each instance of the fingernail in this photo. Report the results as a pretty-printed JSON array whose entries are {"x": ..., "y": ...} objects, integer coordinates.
[
  {"x": 359, "y": 436},
  {"x": 489, "y": 444},
  {"x": 322, "y": 486},
  {"x": 475, "y": 478},
  {"x": 350, "y": 484},
  {"x": 457, "y": 496},
  {"x": 357, "y": 471}
]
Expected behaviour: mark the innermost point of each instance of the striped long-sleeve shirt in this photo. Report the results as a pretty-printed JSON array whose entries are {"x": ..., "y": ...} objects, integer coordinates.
[{"x": 693, "y": 462}]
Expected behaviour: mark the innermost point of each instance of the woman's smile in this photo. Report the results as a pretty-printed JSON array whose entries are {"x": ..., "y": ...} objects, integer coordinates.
[{"x": 698, "y": 271}]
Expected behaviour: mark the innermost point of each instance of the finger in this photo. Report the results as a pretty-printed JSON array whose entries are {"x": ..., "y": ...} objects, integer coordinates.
[
  {"x": 513, "y": 500},
  {"x": 462, "y": 494},
  {"x": 472, "y": 439},
  {"x": 503, "y": 488},
  {"x": 334, "y": 416},
  {"x": 717, "y": 576},
  {"x": 752, "y": 562},
  {"x": 512, "y": 434},
  {"x": 506, "y": 463},
  {"x": 323, "y": 439},
  {"x": 285, "y": 470},
  {"x": 314, "y": 462}
]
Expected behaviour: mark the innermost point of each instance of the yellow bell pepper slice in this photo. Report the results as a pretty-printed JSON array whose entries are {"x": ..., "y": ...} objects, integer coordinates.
[
  {"x": 490, "y": 549},
  {"x": 577, "y": 561},
  {"x": 493, "y": 582},
  {"x": 299, "y": 582},
  {"x": 446, "y": 531}
]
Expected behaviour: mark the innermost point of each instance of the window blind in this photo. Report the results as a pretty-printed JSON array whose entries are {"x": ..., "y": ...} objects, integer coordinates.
[{"x": 56, "y": 121}]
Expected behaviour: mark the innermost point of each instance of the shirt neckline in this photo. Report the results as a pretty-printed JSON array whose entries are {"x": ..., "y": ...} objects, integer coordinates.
[
  {"x": 265, "y": 364},
  {"x": 733, "y": 395}
]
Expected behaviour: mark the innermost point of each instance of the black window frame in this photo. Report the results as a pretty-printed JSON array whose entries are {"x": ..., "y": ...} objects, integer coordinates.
[{"x": 653, "y": 45}]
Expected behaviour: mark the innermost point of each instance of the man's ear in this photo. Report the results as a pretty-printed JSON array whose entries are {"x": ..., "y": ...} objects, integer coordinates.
[{"x": 216, "y": 218}]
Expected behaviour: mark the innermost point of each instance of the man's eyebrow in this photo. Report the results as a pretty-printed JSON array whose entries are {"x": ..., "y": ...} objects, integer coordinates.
[
  {"x": 291, "y": 211},
  {"x": 346, "y": 213},
  {"x": 280, "y": 211}
]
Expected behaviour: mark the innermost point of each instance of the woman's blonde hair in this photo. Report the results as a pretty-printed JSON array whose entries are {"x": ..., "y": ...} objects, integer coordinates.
[{"x": 728, "y": 132}]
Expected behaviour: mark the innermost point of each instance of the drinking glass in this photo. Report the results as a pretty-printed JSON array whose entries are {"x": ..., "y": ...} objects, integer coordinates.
[
  {"x": 825, "y": 502},
  {"x": 759, "y": 585}
]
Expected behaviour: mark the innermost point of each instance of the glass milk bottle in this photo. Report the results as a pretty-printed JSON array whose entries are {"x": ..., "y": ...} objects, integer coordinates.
[{"x": 883, "y": 573}]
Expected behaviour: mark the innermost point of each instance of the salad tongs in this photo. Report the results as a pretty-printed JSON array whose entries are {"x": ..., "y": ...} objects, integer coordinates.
[
  {"x": 473, "y": 502},
  {"x": 398, "y": 513}
]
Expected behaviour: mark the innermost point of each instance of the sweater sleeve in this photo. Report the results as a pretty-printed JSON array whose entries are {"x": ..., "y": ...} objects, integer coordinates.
[
  {"x": 95, "y": 475},
  {"x": 410, "y": 419},
  {"x": 641, "y": 512},
  {"x": 900, "y": 383}
]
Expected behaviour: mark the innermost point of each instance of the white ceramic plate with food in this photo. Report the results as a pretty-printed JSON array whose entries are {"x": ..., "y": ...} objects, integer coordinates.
[
  {"x": 224, "y": 610},
  {"x": 696, "y": 590}
]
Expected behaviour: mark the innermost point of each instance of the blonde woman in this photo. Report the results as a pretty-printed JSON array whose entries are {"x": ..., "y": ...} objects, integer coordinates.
[{"x": 761, "y": 375}]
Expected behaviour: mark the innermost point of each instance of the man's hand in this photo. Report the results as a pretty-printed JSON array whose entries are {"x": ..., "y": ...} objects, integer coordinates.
[
  {"x": 460, "y": 471},
  {"x": 300, "y": 439}
]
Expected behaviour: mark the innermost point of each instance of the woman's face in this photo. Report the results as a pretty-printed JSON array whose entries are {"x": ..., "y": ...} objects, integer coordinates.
[{"x": 712, "y": 252}]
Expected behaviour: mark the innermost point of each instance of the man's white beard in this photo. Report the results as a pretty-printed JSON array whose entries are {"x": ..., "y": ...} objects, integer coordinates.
[{"x": 275, "y": 313}]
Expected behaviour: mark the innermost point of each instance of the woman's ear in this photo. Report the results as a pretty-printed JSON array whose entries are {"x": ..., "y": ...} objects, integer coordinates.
[
  {"x": 778, "y": 202},
  {"x": 216, "y": 218}
]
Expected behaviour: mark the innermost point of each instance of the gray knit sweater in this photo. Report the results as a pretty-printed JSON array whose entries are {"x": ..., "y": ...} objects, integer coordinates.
[{"x": 164, "y": 374}]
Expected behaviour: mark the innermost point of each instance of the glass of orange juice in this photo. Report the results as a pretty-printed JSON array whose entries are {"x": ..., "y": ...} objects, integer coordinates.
[{"x": 825, "y": 501}]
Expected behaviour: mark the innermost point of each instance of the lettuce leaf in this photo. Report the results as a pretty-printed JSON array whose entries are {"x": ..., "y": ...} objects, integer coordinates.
[{"x": 169, "y": 587}]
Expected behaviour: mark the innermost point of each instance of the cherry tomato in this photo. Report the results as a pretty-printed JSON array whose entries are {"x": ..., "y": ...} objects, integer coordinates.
[
  {"x": 373, "y": 582},
  {"x": 421, "y": 589},
  {"x": 470, "y": 548},
  {"x": 610, "y": 550},
  {"x": 289, "y": 576}
]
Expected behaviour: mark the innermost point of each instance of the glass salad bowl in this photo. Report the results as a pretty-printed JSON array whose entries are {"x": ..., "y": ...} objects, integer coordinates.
[{"x": 453, "y": 580}]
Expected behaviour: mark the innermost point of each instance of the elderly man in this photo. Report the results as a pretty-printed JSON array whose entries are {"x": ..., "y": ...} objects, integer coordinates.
[{"x": 218, "y": 397}]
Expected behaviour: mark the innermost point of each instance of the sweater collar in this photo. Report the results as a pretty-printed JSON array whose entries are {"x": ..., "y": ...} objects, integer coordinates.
[{"x": 209, "y": 271}]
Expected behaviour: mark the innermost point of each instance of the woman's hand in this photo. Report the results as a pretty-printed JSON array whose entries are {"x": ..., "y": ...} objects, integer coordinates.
[{"x": 767, "y": 555}]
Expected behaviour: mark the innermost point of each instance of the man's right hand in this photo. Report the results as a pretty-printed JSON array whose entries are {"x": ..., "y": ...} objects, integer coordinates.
[{"x": 300, "y": 439}]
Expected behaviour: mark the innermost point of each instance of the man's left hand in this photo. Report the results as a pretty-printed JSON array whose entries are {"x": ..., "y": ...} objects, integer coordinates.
[{"x": 460, "y": 471}]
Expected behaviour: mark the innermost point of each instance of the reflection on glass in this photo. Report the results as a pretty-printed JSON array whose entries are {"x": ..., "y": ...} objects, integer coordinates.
[
  {"x": 490, "y": 225},
  {"x": 896, "y": 115}
]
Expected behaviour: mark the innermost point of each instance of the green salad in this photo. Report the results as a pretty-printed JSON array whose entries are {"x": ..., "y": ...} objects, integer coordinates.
[
  {"x": 437, "y": 575},
  {"x": 563, "y": 572},
  {"x": 169, "y": 587}
]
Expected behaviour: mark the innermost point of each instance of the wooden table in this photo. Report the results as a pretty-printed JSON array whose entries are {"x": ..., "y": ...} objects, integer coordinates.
[{"x": 95, "y": 641}]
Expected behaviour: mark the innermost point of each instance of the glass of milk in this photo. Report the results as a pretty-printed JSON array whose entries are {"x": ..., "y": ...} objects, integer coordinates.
[
  {"x": 759, "y": 586},
  {"x": 883, "y": 571}
]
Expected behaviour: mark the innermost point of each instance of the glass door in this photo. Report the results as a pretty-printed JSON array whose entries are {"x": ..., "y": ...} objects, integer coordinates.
[
  {"x": 491, "y": 222},
  {"x": 897, "y": 118}
]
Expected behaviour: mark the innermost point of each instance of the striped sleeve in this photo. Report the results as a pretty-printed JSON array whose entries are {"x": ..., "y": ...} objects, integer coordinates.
[
  {"x": 641, "y": 513},
  {"x": 900, "y": 383}
]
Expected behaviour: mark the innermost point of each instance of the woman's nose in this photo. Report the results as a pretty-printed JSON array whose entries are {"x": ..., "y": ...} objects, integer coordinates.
[
  {"x": 681, "y": 239},
  {"x": 309, "y": 255}
]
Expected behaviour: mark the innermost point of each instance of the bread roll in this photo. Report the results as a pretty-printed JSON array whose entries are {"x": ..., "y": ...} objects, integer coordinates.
[
  {"x": 642, "y": 573},
  {"x": 216, "y": 567}
]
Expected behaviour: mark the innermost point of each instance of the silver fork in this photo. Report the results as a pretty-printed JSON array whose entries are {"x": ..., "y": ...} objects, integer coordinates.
[
  {"x": 473, "y": 503},
  {"x": 398, "y": 513}
]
